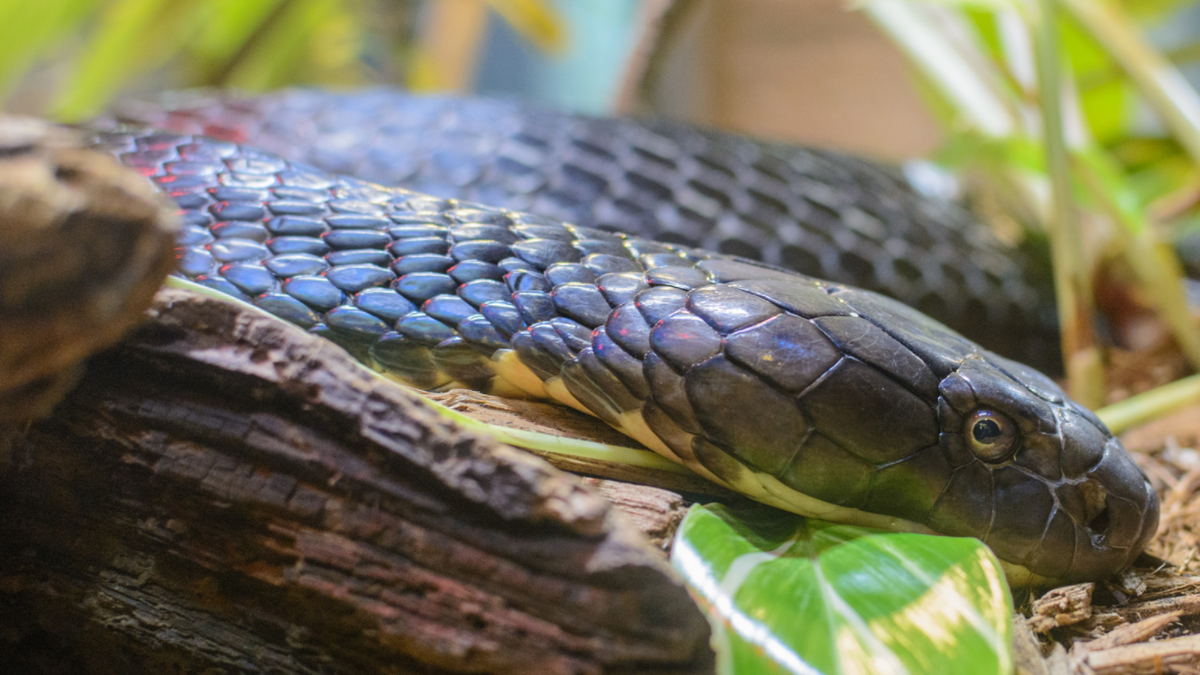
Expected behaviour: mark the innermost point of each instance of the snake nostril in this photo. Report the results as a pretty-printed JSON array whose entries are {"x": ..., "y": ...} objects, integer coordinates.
[
  {"x": 1097, "y": 512},
  {"x": 1098, "y": 526}
]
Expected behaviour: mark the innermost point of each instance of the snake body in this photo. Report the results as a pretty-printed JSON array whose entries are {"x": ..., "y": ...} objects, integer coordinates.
[
  {"x": 822, "y": 213},
  {"x": 813, "y": 396}
]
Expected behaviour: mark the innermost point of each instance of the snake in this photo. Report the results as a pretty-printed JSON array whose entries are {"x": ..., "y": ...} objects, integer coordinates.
[
  {"x": 811, "y": 395},
  {"x": 819, "y": 212}
]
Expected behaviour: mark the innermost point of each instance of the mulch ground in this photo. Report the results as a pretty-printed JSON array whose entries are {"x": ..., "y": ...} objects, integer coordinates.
[{"x": 1148, "y": 619}]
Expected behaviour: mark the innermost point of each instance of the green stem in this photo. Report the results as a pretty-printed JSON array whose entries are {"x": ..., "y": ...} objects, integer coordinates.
[
  {"x": 958, "y": 72},
  {"x": 939, "y": 44},
  {"x": 561, "y": 445},
  {"x": 1085, "y": 373},
  {"x": 1142, "y": 408}
]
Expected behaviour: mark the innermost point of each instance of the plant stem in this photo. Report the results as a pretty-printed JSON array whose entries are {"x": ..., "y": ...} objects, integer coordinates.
[
  {"x": 964, "y": 79},
  {"x": 1085, "y": 373},
  {"x": 561, "y": 445},
  {"x": 1158, "y": 402}
]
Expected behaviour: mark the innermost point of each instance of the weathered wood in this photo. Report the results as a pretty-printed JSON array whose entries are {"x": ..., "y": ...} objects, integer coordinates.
[
  {"x": 655, "y": 501},
  {"x": 1063, "y": 606},
  {"x": 86, "y": 243},
  {"x": 226, "y": 493},
  {"x": 655, "y": 512}
]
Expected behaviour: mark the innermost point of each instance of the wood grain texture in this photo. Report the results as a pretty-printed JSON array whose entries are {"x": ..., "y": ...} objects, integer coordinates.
[{"x": 227, "y": 493}]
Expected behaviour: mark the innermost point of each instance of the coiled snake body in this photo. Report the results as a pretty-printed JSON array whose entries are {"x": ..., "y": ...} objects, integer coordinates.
[
  {"x": 813, "y": 396},
  {"x": 822, "y": 213}
]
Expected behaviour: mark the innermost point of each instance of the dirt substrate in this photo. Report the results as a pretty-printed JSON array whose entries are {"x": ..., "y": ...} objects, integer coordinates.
[{"x": 1148, "y": 619}]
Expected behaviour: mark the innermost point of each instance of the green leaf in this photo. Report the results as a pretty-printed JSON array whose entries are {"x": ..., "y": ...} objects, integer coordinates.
[
  {"x": 1020, "y": 153},
  {"x": 131, "y": 37},
  {"x": 27, "y": 29},
  {"x": 1105, "y": 96},
  {"x": 233, "y": 22},
  {"x": 786, "y": 594},
  {"x": 282, "y": 54}
]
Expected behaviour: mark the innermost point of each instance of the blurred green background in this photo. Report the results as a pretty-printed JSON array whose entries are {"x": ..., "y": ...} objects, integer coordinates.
[{"x": 68, "y": 58}]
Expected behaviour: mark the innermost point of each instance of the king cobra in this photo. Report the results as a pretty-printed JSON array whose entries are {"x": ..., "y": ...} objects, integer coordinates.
[{"x": 807, "y": 394}]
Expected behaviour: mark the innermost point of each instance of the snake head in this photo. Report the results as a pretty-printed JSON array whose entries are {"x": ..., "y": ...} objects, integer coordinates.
[
  {"x": 852, "y": 407},
  {"x": 1037, "y": 476}
]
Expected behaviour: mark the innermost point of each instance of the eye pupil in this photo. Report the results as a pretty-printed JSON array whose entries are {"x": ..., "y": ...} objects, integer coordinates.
[
  {"x": 986, "y": 431},
  {"x": 991, "y": 435}
]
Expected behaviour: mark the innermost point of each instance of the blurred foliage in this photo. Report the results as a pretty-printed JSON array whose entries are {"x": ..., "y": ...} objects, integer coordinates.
[
  {"x": 75, "y": 55},
  {"x": 1018, "y": 83},
  {"x": 69, "y": 58}
]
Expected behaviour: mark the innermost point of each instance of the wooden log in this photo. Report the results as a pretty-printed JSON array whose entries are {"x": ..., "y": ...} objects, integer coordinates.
[
  {"x": 84, "y": 244},
  {"x": 224, "y": 492}
]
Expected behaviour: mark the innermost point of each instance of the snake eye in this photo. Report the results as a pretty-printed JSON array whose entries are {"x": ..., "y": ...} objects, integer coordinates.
[{"x": 990, "y": 435}]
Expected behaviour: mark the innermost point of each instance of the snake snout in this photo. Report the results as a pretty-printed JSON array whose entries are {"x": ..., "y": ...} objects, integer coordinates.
[{"x": 1116, "y": 513}]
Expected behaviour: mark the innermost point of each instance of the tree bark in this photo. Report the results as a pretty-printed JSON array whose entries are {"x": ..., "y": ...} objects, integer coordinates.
[{"x": 224, "y": 492}]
